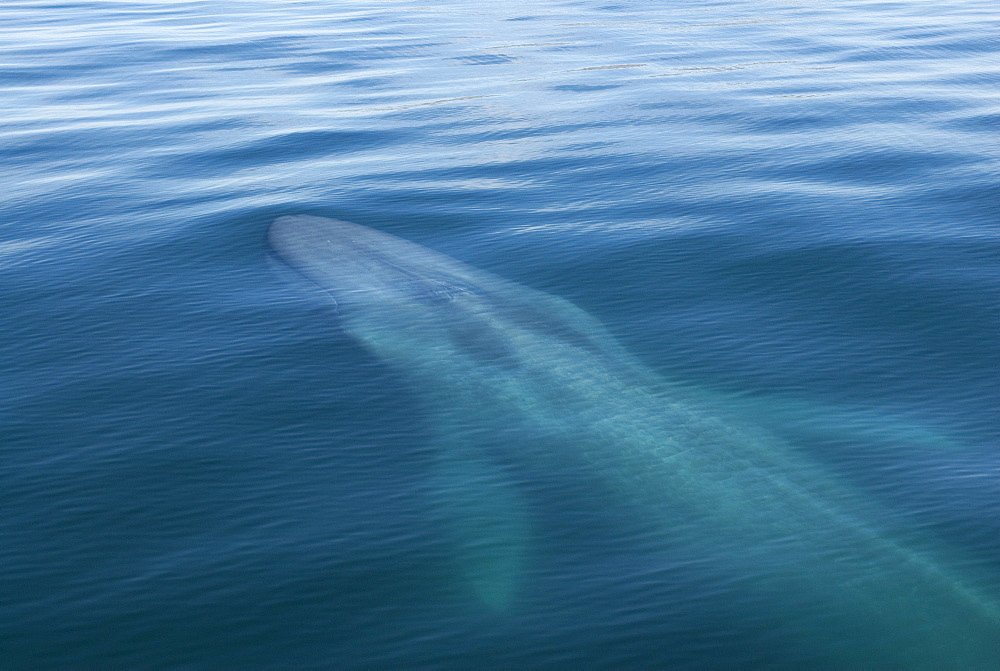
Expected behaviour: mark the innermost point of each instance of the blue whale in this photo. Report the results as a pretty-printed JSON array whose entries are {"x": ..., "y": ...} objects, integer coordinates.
[{"x": 515, "y": 374}]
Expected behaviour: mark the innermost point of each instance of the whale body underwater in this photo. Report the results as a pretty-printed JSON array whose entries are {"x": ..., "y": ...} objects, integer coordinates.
[{"x": 512, "y": 374}]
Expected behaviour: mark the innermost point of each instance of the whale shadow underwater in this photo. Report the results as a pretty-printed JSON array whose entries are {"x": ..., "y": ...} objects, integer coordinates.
[{"x": 513, "y": 375}]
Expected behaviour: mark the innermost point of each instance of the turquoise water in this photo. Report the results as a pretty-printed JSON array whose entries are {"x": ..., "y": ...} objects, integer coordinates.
[{"x": 762, "y": 200}]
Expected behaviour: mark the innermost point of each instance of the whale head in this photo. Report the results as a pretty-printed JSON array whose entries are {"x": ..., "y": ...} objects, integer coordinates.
[
  {"x": 397, "y": 297},
  {"x": 415, "y": 306},
  {"x": 358, "y": 265}
]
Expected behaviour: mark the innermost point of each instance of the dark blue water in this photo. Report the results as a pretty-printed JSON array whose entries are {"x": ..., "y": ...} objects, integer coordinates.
[{"x": 200, "y": 469}]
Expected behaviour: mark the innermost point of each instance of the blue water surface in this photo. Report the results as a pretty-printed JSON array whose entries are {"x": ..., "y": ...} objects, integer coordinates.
[{"x": 760, "y": 199}]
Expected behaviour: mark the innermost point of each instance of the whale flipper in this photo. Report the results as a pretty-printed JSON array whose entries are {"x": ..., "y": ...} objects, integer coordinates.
[{"x": 486, "y": 523}]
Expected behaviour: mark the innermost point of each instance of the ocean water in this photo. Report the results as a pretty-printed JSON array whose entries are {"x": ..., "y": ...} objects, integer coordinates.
[{"x": 788, "y": 205}]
